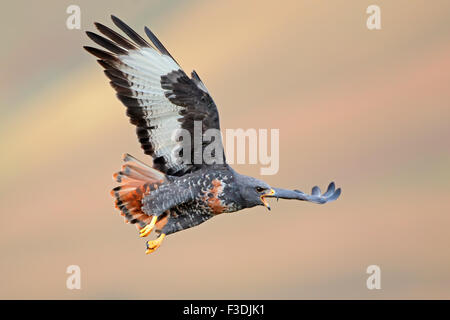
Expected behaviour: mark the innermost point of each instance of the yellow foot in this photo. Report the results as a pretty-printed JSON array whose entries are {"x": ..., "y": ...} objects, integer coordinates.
[
  {"x": 154, "y": 244},
  {"x": 148, "y": 228}
]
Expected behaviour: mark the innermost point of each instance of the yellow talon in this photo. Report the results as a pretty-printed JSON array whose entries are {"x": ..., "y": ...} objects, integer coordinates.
[
  {"x": 148, "y": 228},
  {"x": 154, "y": 244}
]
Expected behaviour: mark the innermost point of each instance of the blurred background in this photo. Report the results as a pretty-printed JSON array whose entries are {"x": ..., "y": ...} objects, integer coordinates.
[{"x": 367, "y": 109}]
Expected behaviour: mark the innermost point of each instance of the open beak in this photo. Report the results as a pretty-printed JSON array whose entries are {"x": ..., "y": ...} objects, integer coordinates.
[{"x": 268, "y": 194}]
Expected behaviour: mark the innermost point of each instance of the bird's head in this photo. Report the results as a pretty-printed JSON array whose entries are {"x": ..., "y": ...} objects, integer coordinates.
[{"x": 254, "y": 191}]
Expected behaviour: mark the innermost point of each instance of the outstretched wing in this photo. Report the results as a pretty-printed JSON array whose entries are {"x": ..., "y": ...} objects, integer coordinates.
[
  {"x": 316, "y": 195},
  {"x": 160, "y": 98}
]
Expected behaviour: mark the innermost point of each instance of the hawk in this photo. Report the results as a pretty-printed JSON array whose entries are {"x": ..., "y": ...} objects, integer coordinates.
[{"x": 160, "y": 98}]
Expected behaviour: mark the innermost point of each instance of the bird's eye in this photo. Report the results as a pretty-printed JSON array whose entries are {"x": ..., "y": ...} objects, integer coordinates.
[{"x": 259, "y": 189}]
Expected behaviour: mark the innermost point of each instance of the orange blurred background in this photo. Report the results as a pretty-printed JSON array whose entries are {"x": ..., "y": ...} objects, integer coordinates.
[{"x": 367, "y": 109}]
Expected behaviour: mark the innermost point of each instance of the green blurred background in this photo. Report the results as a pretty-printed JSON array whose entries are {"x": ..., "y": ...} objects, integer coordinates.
[{"x": 367, "y": 109}]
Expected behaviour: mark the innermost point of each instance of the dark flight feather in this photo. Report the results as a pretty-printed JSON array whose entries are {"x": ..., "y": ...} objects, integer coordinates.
[
  {"x": 114, "y": 36},
  {"x": 105, "y": 43},
  {"x": 104, "y": 55},
  {"x": 157, "y": 43},
  {"x": 130, "y": 32}
]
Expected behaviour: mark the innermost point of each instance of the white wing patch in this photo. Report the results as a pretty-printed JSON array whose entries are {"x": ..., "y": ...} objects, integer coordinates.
[
  {"x": 145, "y": 68},
  {"x": 135, "y": 69}
]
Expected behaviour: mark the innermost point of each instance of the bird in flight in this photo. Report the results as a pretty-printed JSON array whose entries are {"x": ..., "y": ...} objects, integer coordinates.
[{"x": 160, "y": 98}]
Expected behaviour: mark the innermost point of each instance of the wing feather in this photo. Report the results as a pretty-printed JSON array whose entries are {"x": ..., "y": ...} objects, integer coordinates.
[
  {"x": 114, "y": 36},
  {"x": 160, "y": 98},
  {"x": 129, "y": 32}
]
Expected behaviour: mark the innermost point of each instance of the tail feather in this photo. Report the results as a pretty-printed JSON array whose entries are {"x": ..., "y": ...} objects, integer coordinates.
[{"x": 136, "y": 180}]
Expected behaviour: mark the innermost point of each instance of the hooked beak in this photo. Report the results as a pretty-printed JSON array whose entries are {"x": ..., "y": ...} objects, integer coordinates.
[{"x": 268, "y": 194}]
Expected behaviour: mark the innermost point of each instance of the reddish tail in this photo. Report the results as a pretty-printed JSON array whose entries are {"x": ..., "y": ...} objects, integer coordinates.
[{"x": 136, "y": 179}]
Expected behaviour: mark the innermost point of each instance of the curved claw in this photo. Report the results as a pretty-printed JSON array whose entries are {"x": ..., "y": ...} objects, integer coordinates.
[{"x": 148, "y": 228}]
